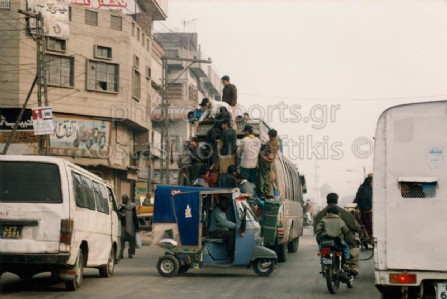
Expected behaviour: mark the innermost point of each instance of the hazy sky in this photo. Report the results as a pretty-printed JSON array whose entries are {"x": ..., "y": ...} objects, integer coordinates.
[{"x": 321, "y": 72}]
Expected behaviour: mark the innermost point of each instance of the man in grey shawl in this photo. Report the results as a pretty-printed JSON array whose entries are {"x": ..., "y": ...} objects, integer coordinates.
[{"x": 129, "y": 225}]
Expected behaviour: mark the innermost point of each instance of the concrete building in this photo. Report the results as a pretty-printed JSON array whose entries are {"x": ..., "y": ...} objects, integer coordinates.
[
  {"x": 187, "y": 84},
  {"x": 103, "y": 80}
]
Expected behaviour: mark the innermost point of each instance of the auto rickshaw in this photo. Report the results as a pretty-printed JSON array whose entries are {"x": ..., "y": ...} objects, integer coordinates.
[{"x": 181, "y": 220}]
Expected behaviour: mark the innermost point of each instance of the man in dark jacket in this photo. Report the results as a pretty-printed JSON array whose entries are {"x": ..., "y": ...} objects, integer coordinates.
[
  {"x": 351, "y": 223},
  {"x": 229, "y": 96},
  {"x": 228, "y": 138},
  {"x": 364, "y": 202}
]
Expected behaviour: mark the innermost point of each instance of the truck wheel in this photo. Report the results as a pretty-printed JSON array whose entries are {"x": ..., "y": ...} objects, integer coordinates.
[
  {"x": 282, "y": 253},
  {"x": 107, "y": 270},
  {"x": 293, "y": 245},
  {"x": 168, "y": 266},
  {"x": 75, "y": 283},
  {"x": 263, "y": 267},
  {"x": 391, "y": 293}
]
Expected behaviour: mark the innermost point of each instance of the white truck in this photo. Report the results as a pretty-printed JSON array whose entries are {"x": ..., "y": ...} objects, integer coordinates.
[{"x": 410, "y": 201}]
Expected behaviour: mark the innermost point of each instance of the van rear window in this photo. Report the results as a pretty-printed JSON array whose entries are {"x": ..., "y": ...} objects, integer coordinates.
[{"x": 30, "y": 182}]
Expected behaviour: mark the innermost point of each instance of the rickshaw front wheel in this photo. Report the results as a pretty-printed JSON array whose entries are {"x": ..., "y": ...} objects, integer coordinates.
[
  {"x": 168, "y": 266},
  {"x": 263, "y": 266}
]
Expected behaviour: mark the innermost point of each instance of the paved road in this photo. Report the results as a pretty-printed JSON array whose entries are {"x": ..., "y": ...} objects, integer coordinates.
[{"x": 138, "y": 278}]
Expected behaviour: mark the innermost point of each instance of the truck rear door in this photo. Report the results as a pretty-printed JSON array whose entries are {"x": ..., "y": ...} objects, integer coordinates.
[{"x": 416, "y": 197}]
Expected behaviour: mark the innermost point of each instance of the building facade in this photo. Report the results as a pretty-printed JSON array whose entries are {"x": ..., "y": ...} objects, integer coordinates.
[
  {"x": 103, "y": 78},
  {"x": 187, "y": 84}
]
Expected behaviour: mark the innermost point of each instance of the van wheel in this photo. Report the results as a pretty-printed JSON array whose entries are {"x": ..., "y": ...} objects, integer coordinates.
[
  {"x": 75, "y": 283},
  {"x": 25, "y": 276},
  {"x": 293, "y": 245},
  {"x": 168, "y": 266},
  {"x": 282, "y": 253},
  {"x": 107, "y": 270},
  {"x": 263, "y": 267}
]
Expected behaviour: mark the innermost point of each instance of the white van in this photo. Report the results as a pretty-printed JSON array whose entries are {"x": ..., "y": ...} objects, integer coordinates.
[
  {"x": 410, "y": 201},
  {"x": 57, "y": 217}
]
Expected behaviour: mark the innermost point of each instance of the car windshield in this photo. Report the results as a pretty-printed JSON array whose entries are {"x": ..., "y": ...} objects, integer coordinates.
[{"x": 30, "y": 182}]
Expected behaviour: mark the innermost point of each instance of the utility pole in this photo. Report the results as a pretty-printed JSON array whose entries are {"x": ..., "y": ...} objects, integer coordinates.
[
  {"x": 41, "y": 74},
  {"x": 316, "y": 183},
  {"x": 165, "y": 155},
  {"x": 42, "y": 89}
]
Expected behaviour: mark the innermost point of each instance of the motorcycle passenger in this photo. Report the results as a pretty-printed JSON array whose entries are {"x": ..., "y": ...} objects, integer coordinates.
[
  {"x": 333, "y": 227},
  {"x": 221, "y": 227},
  {"x": 351, "y": 223}
]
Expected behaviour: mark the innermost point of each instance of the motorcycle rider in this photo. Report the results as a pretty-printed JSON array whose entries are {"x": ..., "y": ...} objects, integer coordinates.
[
  {"x": 351, "y": 223},
  {"x": 333, "y": 227}
]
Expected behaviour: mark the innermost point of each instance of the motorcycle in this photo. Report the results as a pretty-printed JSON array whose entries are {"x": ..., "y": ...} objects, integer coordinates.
[{"x": 333, "y": 266}]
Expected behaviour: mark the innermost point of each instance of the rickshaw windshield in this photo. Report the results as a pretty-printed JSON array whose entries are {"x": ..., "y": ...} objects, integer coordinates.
[{"x": 240, "y": 206}]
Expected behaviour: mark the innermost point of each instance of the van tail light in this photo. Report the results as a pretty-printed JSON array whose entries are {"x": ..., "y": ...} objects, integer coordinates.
[
  {"x": 325, "y": 251},
  {"x": 403, "y": 278},
  {"x": 67, "y": 226}
]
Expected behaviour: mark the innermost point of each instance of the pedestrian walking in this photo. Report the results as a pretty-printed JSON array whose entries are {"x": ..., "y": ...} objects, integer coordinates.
[{"x": 129, "y": 226}]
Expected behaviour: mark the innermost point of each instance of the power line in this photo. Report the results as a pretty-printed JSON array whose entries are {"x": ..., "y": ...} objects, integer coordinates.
[{"x": 357, "y": 99}]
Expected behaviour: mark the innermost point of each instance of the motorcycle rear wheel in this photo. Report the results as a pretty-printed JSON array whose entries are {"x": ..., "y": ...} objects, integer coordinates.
[{"x": 332, "y": 280}]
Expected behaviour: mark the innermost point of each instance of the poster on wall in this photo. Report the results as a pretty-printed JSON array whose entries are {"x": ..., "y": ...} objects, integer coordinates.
[
  {"x": 55, "y": 17},
  {"x": 140, "y": 190},
  {"x": 42, "y": 120},
  {"x": 126, "y": 6},
  {"x": 8, "y": 117},
  {"x": 81, "y": 136}
]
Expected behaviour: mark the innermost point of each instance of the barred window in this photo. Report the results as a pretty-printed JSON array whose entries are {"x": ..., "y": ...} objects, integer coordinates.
[
  {"x": 103, "y": 52},
  {"x": 55, "y": 44},
  {"x": 136, "y": 80},
  {"x": 91, "y": 18},
  {"x": 102, "y": 76},
  {"x": 116, "y": 23},
  {"x": 60, "y": 70},
  {"x": 418, "y": 189}
]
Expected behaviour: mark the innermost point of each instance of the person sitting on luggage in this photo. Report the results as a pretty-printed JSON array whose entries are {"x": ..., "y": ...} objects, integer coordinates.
[
  {"x": 220, "y": 226},
  {"x": 202, "y": 178},
  {"x": 228, "y": 180},
  {"x": 333, "y": 227}
]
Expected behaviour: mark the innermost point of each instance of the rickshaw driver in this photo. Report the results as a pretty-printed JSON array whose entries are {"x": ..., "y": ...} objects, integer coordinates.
[{"x": 221, "y": 227}]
